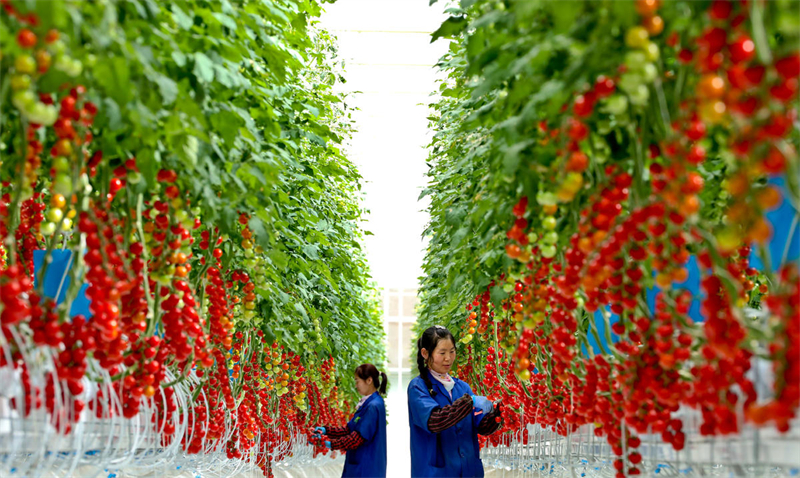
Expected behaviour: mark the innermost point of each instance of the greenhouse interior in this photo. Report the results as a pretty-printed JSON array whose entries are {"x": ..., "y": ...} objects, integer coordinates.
[{"x": 399, "y": 238}]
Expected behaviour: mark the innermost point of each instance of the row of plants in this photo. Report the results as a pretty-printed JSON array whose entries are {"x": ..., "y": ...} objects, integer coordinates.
[
  {"x": 605, "y": 176},
  {"x": 187, "y": 158}
]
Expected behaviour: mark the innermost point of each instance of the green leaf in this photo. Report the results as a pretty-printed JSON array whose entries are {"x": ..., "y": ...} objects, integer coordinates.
[
  {"x": 227, "y": 124},
  {"x": 167, "y": 87},
  {"x": 565, "y": 14},
  {"x": 183, "y": 20},
  {"x": 203, "y": 67},
  {"x": 179, "y": 57},
  {"x": 311, "y": 251},
  {"x": 299, "y": 308},
  {"x": 450, "y": 28},
  {"x": 109, "y": 116},
  {"x": 225, "y": 20},
  {"x": 278, "y": 258}
]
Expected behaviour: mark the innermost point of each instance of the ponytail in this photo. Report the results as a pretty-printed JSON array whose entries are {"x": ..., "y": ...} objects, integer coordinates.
[
  {"x": 428, "y": 341},
  {"x": 384, "y": 382},
  {"x": 423, "y": 369}
]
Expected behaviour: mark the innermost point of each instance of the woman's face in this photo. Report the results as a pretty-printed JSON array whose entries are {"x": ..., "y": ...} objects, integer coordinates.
[
  {"x": 365, "y": 387},
  {"x": 443, "y": 356}
]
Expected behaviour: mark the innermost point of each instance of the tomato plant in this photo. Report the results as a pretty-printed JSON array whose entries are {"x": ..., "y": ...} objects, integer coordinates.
[
  {"x": 189, "y": 156},
  {"x": 590, "y": 160}
]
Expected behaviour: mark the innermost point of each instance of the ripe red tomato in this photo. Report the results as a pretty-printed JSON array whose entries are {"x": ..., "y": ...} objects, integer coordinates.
[
  {"x": 577, "y": 130},
  {"x": 578, "y": 161},
  {"x": 789, "y": 66},
  {"x": 720, "y": 9},
  {"x": 26, "y": 38},
  {"x": 742, "y": 49},
  {"x": 604, "y": 86}
]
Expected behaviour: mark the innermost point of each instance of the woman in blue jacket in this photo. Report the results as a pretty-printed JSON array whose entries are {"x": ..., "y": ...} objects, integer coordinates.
[
  {"x": 364, "y": 436},
  {"x": 444, "y": 415}
]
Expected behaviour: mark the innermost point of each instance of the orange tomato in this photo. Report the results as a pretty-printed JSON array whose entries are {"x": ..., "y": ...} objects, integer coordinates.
[
  {"x": 58, "y": 201},
  {"x": 647, "y": 8},
  {"x": 680, "y": 274},
  {"x": 691, "y": 204},
  {"x": 769, "y": 197},
  {"x": 654, "y": 25},
  {"x": 761, "y": 231},
  {"x": 711, "y": 86}
]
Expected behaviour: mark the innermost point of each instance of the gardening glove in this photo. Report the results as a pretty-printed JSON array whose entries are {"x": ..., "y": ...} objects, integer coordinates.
[
  {"x": 481, "y": 403},
  {"x": 328, "y": 444},
  {"x": 321, "y": 430}
]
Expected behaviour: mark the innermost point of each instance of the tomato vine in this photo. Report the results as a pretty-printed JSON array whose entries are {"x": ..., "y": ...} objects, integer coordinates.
[
  {"x": 591, "y": 161},
  {"x": 187, "y": 157}
]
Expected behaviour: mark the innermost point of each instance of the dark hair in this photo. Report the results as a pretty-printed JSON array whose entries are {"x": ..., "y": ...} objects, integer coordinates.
[
  {"x": 428, "y": 341},
  {"x": 368, "y": 370}
]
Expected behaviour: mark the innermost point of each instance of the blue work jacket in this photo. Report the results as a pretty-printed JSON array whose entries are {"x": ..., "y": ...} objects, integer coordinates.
[
  {"x": 453, "y": 453},
  {"x": 368, "y": 460}
]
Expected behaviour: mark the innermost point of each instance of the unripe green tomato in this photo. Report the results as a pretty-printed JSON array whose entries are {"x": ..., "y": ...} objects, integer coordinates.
[
  {"x": 640, "y": 95},
  {"x": 163, "y": 280},
  {"x": 63, "y": 63},
  {"x": 636, "y": 37},
  {"x": 134, "y": 177},
  {"x": 61, "y": 164},
  {"x": 528, "y": 323},
  {"x": 616, "y": 104},
  {"x": 630, "y": 82},
  {"x": 52, "y": 115},
  {"x": 75, "y": 68},
  {"x": 20, "y": 82},
  {"x": 248, "y": 253},
  {"x": 54, "y": 214},
  {"x": 91, "y": 60},
  {"x": 549, "y": 223},
  {"x": 652, "y": 52},
  {"x": 43, "y": 114},
  {"x": 649, "y": 73},
  {"x": 36, "y": 113},
  {"x": 58, "y": 47},
  {"x": 47, "y": 228},
  {"x": 635, "y": 61},
  {"x": 67, "y": 224},
  {"x": 580, "y": 301},
  {"x": 550, "y": 238},
  {"x": 532, "y": 237},
  {"x": 23, "y": 100},
  {"x": 62, "y": 185},
  {"x": 548, "y": 251},
  {"x": 546, "y": 198},
  {"x": 467, "y": 339},
  {"x": 508, "y": 288},
  {"x": 25, "y": 64}
]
